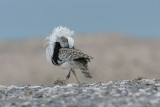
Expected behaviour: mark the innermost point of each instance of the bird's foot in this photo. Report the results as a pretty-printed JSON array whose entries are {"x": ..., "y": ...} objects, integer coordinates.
[{"x": 60, "y": 82}]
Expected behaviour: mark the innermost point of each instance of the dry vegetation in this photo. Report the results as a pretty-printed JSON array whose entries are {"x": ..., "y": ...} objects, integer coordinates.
[{"x": 116, "y": 57}]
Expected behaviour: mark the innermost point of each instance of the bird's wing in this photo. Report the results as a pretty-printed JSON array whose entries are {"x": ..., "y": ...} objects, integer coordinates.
[{"x": 70, "y": 54}]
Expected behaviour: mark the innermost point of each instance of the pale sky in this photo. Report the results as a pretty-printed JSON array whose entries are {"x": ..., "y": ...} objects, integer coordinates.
[{"x": 30, "y": 18}]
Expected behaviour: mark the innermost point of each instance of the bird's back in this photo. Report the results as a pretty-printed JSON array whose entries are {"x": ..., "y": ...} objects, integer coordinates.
[
  {"x": 73, "y": 54},
  {"x": 75, "y": 57}
]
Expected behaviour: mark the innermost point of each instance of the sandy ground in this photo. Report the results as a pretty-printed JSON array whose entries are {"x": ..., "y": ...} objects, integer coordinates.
[{"x": 116, "y": 57}]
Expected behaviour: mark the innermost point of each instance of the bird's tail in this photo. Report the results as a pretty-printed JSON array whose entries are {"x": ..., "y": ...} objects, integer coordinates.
[
  {"x": 87, "y": 74},
  {"x": 83, "y": 65}
]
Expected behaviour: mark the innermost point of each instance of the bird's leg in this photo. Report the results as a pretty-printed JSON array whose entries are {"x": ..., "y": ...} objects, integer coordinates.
[
  {"x": 68, "y": 76},
  {"x": 74, "y": 73}
]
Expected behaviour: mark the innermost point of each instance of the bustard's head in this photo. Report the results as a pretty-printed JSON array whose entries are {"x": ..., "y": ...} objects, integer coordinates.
[
  {"x": 66, "y": 42},
  {"x": 63, "y": 36}
]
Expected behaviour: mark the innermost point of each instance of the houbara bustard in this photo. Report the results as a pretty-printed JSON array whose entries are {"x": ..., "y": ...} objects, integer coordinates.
[{"x": 61, "y": 52}]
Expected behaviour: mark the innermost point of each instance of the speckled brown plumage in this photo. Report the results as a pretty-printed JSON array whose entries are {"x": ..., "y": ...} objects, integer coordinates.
[
  {"x": 76, "y": 59},
  {"x": 72, "y": 54}
]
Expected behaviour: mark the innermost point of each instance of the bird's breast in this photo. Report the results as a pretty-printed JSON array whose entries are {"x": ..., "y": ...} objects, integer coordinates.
[{"x": 68, "y": 65}]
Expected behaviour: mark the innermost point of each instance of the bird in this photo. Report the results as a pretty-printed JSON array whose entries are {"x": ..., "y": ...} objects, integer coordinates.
[{"x": 61, "y": 52}]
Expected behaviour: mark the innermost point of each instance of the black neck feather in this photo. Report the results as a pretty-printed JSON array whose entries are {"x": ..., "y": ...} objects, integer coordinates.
[{"x": 55, "y": 57}]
